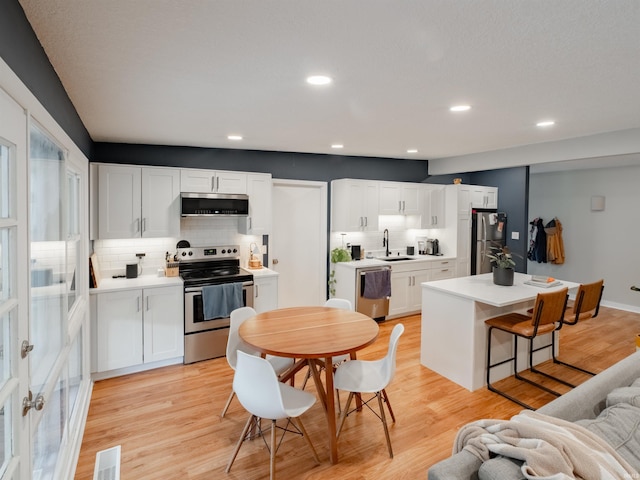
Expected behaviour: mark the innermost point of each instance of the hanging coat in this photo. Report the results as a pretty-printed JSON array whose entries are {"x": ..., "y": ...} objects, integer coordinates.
[
  {"x": 538, "y": 242},
  {"x": 555, "y": 245}
]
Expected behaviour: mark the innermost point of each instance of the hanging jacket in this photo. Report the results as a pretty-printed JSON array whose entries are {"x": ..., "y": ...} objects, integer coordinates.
[
  {"x": 538, "y": 242},
  {"x": 555, "y": 245}
]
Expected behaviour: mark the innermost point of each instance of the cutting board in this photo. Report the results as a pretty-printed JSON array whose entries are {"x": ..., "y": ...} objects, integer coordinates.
[{"x": 94, "y": 271}]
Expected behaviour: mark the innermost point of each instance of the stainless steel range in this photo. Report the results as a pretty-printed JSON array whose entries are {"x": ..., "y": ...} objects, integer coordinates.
[{"x": 200, "y": 267}]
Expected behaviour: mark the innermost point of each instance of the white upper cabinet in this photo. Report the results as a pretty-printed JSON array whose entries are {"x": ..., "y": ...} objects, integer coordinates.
[
  {"x": 400, "y": 198},
  {"x": 354, "y": 205},
  {"x": 138, "y": 202},
  {"x": 433, "y": 212},
  {"x": 484, "y": 197},
  {"x": 259, "y": 189},
  {"x": 212, "y": 181}
]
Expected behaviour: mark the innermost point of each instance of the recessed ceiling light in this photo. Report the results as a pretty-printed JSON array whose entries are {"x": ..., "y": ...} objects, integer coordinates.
[
  {"x": 319, "y": 80},
  {"x": 412, "y": 150},
  {"x": 234, "y": 137},
  {"x": 337, "y": 145},
  {"x": 546, "y": 123},
  {"x": 460, "y": 108}
]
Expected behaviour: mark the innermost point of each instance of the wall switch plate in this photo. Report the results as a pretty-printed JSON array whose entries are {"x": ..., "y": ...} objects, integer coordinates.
[{"x": 515, "y": 235}]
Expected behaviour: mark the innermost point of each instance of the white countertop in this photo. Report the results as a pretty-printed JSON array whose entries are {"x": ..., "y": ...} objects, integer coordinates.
[
  {"x": 374, "y": 262},
  {"x": 109, "y": 284},
  {"x": 482, "y": 289},
  {"x": 261, "y": 272}
]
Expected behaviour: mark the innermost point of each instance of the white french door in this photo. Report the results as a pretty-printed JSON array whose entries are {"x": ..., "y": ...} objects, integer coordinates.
[{"x": 14, "y": 375}]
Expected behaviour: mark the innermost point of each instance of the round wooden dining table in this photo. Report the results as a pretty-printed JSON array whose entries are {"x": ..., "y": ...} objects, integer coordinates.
[{"x": 312, "y": 334}]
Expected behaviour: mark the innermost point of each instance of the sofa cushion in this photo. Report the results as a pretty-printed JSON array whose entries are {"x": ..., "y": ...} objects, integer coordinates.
[
  {"x": 619, "y": 426},
  {"x": 500, "y": 468},
  {"x": 630, "y": 395}
]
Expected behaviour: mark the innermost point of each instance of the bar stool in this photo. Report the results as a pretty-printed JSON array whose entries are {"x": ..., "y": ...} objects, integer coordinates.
[
  {"x": 586, "y": 305},
  {"x": 548, "y": 313}
]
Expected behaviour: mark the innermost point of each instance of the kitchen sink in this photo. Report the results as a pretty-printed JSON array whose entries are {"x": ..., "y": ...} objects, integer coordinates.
[{"x": 394, "y": 259}]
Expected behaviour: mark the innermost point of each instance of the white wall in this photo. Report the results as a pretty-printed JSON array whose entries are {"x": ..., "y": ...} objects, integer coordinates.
[{"x": 602, "y": 244}]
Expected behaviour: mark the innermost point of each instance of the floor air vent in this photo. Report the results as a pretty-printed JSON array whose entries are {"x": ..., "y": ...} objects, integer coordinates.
[{"x": 107, "y": 464}]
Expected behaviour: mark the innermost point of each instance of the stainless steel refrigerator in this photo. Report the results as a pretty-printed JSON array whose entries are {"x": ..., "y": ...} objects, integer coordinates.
[{"x": 488, "y": 229}]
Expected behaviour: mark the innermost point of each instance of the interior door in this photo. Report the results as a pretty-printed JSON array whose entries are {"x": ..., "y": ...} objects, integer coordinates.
[
  {"x": 299, "y": 242},
  {"x": 14, "y": 373}
]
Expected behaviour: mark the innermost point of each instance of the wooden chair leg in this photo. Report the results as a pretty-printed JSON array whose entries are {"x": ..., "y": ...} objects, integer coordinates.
[
  {"x": 384, "y": 423},
  {"x": 298, "y": 423},
  {"x": 344, "y": 413},
  {"x": 272, "y": 462},
  {"x": 226, "y": 407},
  {"x": 386, "y": 400},
  {"x": 245, "y": 430}
]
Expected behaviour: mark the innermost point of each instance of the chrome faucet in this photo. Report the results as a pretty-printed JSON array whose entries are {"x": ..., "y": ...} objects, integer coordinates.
[{"x": 385, "y": 241}]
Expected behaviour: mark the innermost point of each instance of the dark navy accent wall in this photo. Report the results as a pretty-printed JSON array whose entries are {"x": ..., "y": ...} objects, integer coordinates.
[
  {"x": 21, "y": 50},
  {"x": 513, "y": 199},
  {"x": 285, "y": 165}
]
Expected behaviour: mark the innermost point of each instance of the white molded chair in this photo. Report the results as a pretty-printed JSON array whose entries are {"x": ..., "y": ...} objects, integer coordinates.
[
  {"x": 235, "y": 344},
  {"x": 264, "y": 397},
  {"x": 370, "y": 376}
]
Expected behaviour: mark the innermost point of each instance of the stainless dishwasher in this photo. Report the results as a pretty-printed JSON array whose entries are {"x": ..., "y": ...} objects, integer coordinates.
[{"x": 375, "y": 308}]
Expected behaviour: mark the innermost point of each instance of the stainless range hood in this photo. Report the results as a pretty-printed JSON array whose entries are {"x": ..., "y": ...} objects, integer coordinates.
[{"x": 214, "y": 205}]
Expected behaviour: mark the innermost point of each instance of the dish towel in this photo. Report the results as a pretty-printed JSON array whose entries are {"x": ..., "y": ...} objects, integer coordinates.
[
  {"x": 377, "y": 284},
  {"x": 218, "y": 301}
]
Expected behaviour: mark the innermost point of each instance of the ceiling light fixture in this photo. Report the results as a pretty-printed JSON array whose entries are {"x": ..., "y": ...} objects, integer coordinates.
[
  {"x": 337, "y": 145},
  {"x": 319, "y": 80},
  {"x": 460, "y": 108},
  {"x": 412, "y": 150},
  {"x": 234, "y": 137},
  {"x": 546, "y": 123}
]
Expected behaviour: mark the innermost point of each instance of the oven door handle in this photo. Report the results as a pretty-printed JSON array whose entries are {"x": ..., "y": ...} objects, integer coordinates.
[{"x": 199, "y": 289}]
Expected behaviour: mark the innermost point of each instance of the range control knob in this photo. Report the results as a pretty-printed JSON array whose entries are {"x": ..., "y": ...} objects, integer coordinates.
[
  {"x": 224, "y": 251},
  {"x": 184, "y": 254},
  {"x": 190, "y": 253},
  {"x": 235, "y": 250}
]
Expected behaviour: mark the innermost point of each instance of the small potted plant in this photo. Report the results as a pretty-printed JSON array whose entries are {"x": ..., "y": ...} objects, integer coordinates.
[
  {"x": 337, "y": 255},
  {"x": 503, "y": 263}
]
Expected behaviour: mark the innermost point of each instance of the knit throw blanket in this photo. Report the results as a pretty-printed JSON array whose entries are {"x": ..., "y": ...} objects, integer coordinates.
[{"x": 551, "y": 448}]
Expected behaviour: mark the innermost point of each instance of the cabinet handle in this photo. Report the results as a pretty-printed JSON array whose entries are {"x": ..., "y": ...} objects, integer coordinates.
[
  {"x": 366, "y": 221},
  {"x": 213, "y": 183},
  {"x": 144, "y": 225},
  {"x": 256, "y": 290},
  {"x": 250, "y": 223},
  {"x": 399, "y": 205},
  {"x": 147, "y": 302},
  {"x": 137, "y": 225},
  {"x": 217, "y": 183},
  {"x": 138, "y": 303},
  {"x": 404, "y": 207}
]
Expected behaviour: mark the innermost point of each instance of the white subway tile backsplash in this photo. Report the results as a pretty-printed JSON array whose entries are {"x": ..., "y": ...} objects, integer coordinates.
[{"x": 113, "y": 255}]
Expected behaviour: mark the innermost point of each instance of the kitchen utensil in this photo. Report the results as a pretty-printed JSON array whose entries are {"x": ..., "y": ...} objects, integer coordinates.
[
  {"x": 422, "y": 247},
  {"x": 355, "y": 252},
  {"x": 410, "y": 250}
]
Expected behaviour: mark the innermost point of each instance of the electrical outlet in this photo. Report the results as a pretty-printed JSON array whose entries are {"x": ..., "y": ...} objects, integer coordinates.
[{"x": 515, "y": 235}]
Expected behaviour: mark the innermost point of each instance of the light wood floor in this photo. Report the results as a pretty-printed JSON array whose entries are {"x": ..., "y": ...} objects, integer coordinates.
[{"x": 168, "y": 420}]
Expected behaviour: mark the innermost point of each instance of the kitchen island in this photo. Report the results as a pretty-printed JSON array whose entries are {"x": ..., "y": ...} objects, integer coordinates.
[{"x": 454, "y": 335}]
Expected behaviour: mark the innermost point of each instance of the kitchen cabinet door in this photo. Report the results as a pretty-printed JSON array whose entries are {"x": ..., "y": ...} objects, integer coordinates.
[
  {"x": 119, "y": 201},
  {"x": 484, "y": 197},
  {"x": 119, "y": 329},
  {"x": 433, "y": 213},
  {"x": 400, "y": 293},
  {"x": 212, "y": 181},
  {"x": 354, "y": 205},
  {"x": 399, "y": 199},
  {"x": 265, "y": 293},
  {"x": 259, "y": 189},
  {"x": 163, "y": 319},
  {"x": 415, "y": 290},
  {"x": 160, "y": 202}
]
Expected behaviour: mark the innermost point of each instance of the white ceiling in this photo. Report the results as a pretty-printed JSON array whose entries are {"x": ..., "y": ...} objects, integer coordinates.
[{"x": 191, "y": 72}]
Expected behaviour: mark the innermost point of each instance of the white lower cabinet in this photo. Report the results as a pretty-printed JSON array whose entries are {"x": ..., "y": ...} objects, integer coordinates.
[
  {"x": 138, "y": 326},
  {"x": 265, "y": 293},
  {"x": 406, "y": 292}
]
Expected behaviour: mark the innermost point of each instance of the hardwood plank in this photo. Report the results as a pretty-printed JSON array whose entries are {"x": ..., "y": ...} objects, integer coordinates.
[{"x": 168, "y": 420}]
